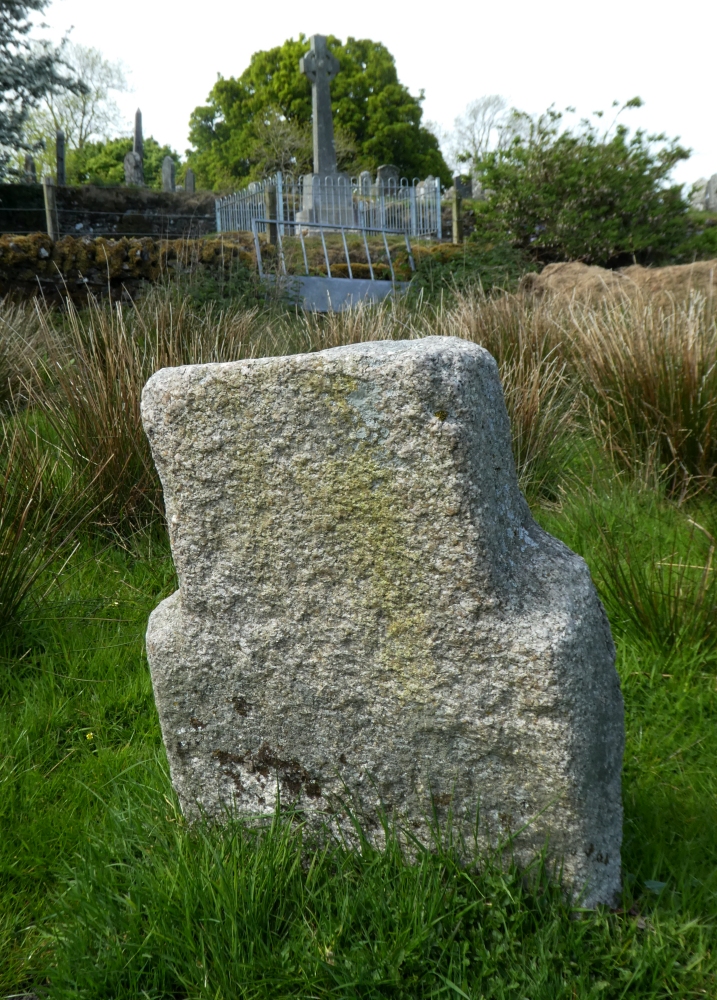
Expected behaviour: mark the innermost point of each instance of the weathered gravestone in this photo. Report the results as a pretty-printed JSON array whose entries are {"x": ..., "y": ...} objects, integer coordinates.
[
  {"x": 366, "y": 607},
  {"x": 134, "y": 160},
  {"x": 168, "y": 174},
  {"x": 388, "y": 176}
]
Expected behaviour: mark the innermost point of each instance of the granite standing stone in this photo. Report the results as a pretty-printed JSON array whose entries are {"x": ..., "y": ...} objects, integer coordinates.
[
  {"x": 189, "y": 181},
  {"x": 138, "y": 139},
  {"x": 168, "y": 174},
  {"x": 366, "y": 607}
]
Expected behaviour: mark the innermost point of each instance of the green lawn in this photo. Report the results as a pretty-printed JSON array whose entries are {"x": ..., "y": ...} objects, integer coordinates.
[{"x": 106, "y": 894}]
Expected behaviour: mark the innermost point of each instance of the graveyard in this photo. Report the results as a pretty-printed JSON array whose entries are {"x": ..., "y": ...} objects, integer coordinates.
[{"x": 357, "y": 595}]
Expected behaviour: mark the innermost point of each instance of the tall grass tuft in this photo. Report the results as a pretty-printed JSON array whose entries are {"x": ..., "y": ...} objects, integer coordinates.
[
  {"x": 653, "y": 563},
  {"x": 41, "y": 507},
  {"x": 19, "y": 342},
  {"x": 89, "y": 384},
  {"x": 649, "y": 372}
]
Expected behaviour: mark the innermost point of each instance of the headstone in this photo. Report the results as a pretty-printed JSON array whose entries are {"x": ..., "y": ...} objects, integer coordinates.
[
  {"x": 133, "y": 169},
  {"x": 477, "y": 191},
  {"x": 365, "y": 182},
  {"x": 138, "y": 140},
  {"x": 321, "y": 66},
  {"x": 60, "y": 157},
  {"x": 698, "y": 195},
  {"x": 387, "y": 175},
  {"x": 30, "y": 171},
  {"x": 711, "y": 194},
  {"x": 189, "y": 181},
  {"x": 463, "y": 188},
  {"x": 456, "y": 215},
  {"x": 367, "y": 608},
  {"x": 168, "y": 172}
]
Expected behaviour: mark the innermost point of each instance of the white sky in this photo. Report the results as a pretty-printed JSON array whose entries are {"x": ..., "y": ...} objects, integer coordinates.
[{"x": 563, "y": 52}]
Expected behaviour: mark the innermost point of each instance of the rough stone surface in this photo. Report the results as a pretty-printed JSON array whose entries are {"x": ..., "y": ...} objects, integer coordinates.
[{"x": 366, "y": 606}]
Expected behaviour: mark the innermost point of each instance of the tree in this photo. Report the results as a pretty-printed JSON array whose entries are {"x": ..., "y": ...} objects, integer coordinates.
[
  {"x": 92, "y": 114},
  {"x": 583, "y": 194},
  {"x": 287, "y": 144},
  {"x": 102, "y": 162},
  {"x": 28, "y": 72},
  {"x": 486, "y": 124},
  {"x": 373, "y": 114}
]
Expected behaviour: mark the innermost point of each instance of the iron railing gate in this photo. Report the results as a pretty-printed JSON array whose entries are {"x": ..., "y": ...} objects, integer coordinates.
[{"x": 413, "y": 208}]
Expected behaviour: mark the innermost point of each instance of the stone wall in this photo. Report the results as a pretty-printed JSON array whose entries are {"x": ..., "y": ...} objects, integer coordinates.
[
  {"x": 75, "y": 266},
  {"x": 114, "y": 211}
]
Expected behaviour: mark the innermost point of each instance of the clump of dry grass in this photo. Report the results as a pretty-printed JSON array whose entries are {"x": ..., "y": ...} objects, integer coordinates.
[
  {"x": 19, "y": 342},
  {"x": 649, "y": 374},
  {"x": 88, "y": 386},
  {"x": 89, "y": 375}
]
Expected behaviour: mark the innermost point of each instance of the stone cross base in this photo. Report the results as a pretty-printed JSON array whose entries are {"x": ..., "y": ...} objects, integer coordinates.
[
  {"x": 328, "y": 199},
  {"x": 367, "y": 609}
]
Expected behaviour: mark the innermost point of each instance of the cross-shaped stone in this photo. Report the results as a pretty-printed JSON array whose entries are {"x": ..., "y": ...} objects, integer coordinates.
[{"x": 321, "y": 67}]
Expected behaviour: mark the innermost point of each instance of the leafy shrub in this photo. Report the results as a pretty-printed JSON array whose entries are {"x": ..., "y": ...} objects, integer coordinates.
[{"x": 585, "y": 195}]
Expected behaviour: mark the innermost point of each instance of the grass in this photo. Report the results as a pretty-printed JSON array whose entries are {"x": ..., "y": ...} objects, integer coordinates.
[{"x": 105, "y": 894}]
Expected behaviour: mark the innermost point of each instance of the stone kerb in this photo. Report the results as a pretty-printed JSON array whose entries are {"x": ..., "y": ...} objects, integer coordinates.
[{"x": 367, "y": 607}]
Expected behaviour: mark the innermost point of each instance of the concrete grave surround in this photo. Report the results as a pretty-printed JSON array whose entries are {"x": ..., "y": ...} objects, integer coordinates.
[{"x": 366, "y": 607}]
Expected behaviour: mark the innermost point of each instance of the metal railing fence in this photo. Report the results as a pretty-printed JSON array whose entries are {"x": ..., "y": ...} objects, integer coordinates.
[
  {"x": 298, "y": 230},
  {"x": 351, "y": 203}
]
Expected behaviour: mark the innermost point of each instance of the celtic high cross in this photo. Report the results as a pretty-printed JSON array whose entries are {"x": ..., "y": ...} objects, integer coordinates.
[{"x": 321, "y": 67}]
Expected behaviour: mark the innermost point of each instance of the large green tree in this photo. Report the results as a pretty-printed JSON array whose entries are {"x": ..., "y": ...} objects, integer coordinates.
[{"x": 376, "y": 119}]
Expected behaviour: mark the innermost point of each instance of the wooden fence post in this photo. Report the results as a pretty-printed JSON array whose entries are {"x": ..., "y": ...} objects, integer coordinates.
[
  {"x": 51, "y": 220},
  {"x": 457, "y": 221},
  {"x": 270, "y": 210}
]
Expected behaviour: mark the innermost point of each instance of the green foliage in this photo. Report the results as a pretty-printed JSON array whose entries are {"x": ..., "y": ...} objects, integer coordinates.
[
  {"x": 373, "y": 114},
  {"x": 446, "y": 269},
  {"x": 105, "y": 894},
  {"x": 102, "y": 162},
  {"x": 599, "y": 197},
  {"x": 28, "y": 73},
  {"x": 701, "y": 241}
]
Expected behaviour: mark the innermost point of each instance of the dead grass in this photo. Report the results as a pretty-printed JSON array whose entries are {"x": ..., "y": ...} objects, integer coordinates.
[
  {"x": 649, "y": 378},
  {"x": 641, "y": 376}
]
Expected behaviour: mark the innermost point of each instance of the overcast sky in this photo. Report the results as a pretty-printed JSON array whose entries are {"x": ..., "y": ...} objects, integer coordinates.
[{"x": 535, "y": 54}]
